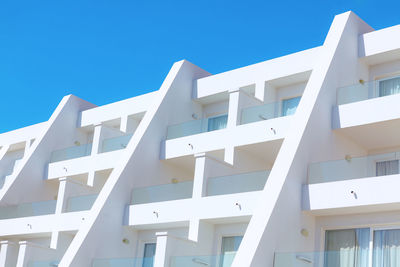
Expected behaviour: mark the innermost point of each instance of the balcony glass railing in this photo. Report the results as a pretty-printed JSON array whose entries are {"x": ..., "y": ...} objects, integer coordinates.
[
  {"x": 238, "y": 183},
  {"x": 115, "y": 143},
  {"x": 52, "y": 263},
  {"x": 209, "y": 260},
  {"x": 197, "y": 126},
  {"x": 368, "y": 90},
  {"x": 123, "y": 262},
  {"x": 163, "y": 192},
  {"x": 28, "y": 209},
  {"x": 354, "y": 168},
  {"x": 299, "y": 259},
  {"x": 345, "y": 256},
  {"x": 269, "y": 111},
  {"x": 81, "y": 203},
  {"x": 71, "y": 153}
]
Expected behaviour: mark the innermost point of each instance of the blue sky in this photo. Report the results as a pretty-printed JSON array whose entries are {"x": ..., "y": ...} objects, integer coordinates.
[{"x": 105, "y": 51}]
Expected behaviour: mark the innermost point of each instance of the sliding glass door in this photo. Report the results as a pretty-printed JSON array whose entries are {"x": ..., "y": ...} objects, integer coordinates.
[
  {"x": 357, "y": 247},
  {"x": 386, "y": 246},
  {"x": 347, "y": 248}
]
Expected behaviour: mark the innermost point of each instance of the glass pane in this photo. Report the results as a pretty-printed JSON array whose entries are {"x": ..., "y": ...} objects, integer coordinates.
[
  {"x": 289, "y": 106},
  {"x": 217, "y": 123},
  {"x": 387, "y": 167},
  {"x": 80, "y": 203},
  {"x": 347, "y": 248},
  {"x": 386, "y": 251},
  {"x": 148, "y": 255},
  {"x": 163, "y": 192},
  {"x": 229, "y": 247},
  {"x": 389, "y": 87},
  {"x": 238, "y": 183},
  {"x": 115, "y": 143},
  {"x": 260, "y": 113}
]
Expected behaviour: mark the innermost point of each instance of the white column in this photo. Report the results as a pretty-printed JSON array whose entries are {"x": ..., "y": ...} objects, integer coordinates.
[
  {"x": 27, "y": 146},
  {"x": 200, "y": 175},
  {"x": 23, "y": 254},
  {"x": 96, "y": 145},
  {"x": 8, "y": 252},
  {"x": 235, "y": 96},
  {"x": 61, "y": 206},
  {"x": 234, "y": 110},
  {"x": 163, "y": 249},
  {"x": 260, "y": 90}
]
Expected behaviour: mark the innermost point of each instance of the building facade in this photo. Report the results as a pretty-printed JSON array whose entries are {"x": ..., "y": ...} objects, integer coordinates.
[{"x": 291, "y": 162}]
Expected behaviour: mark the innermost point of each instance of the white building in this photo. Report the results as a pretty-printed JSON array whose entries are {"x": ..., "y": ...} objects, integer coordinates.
[{"x": 291, "y": 162}]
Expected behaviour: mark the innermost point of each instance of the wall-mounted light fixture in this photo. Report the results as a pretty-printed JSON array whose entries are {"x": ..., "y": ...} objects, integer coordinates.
[
  {"x": 190, "y": 145},
  {"x": 125, "y": 241},
  {"x": 155, "y": 213},
  {"x": 194, "y": 116},
  {"x": 77, "y": 143},
  {"x": 347, "y": 158},
  {"x": 361, "y": 81},
  {"x": 174, "y": 181},
  {"x": 273, "y": 130},
  {"x": 304, "y": 232},
  {"x": 238, "y": 205}
]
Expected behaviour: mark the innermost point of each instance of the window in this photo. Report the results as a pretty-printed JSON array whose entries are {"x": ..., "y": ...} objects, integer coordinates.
[
  {"x": 229, "y": 247},
  {"x": 347, "y": 248},
  {"x": 217, "y": 123},
  {"x": 350, "y": 248},
  {"x": 289, "y": 106},
  {"x": 387, "y": 167},
  {"x": 389, "y": 86},
  {"x": 148, "y": 255}
]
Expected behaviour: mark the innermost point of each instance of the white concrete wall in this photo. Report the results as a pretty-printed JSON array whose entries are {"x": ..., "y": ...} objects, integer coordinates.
[
  {"x": 140, "y": 163},
  {"x": 267, "y": 232},
  {"x": 28, "y": 184}
]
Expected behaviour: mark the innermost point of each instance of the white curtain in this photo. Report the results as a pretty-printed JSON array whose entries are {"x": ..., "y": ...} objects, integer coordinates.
[
  {"x": 386, "y": 248},
  {"x": 217, "y": 123},
  {"x": 389, "y": 87},
  {"x": 387, "y": 167},
  {"x": 347, "y": 248}
]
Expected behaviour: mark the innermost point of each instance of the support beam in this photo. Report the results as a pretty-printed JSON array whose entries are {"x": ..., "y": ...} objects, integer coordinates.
[
  {"x": 96, "y": 145},
  {"x": 163, "y": 249},
  {"x": 260, "y": 90},
  {"x": 8, "y": 253}
]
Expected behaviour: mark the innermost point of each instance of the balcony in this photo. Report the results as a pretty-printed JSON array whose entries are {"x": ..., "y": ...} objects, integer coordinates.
[
  {"x": 238, "y": 183},
  {"x": 79, "y": 203},
  {"x": 367, "y": 110},
  {"x": 199, "y": 260},
  {"x": 368, "y": 90},
  {"x": 223, "y": 185},
  {"x": 115, "y": 143},
  {"x": 227, "y": 197},
  {"x": 71, "y": 153},
  {"x": 362, "y": 184},
  {"x": 123, "y": 262},
  {"x": 163, "y": 192},
  {"x": 269, "y": 111},
  {"x": 51, "y": 263},
  {"x": 197, "y": 126},
  {"x": 28, "y": 209}
]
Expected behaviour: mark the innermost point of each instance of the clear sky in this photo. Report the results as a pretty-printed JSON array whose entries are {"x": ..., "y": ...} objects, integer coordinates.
[{"x": 105, "y": 51}]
